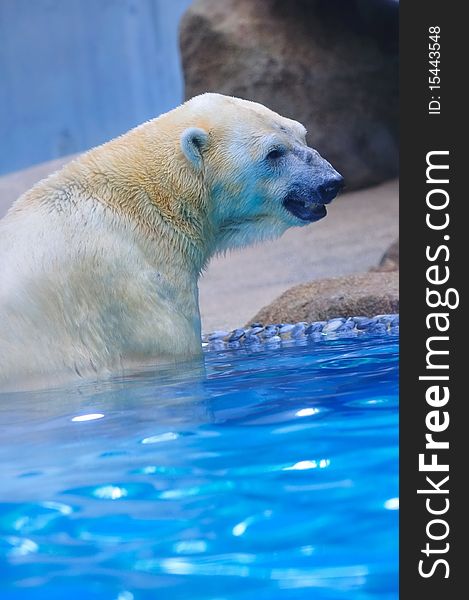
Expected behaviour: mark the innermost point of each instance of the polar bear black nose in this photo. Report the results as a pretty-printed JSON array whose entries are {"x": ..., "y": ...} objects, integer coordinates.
[{"x": 330, "y": 188}]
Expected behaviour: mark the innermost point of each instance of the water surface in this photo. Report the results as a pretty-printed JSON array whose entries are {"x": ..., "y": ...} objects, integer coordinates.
[{"x": 272, "y": 475}]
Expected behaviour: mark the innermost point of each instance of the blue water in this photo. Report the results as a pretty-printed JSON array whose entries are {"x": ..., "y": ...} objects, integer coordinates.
[{"x": 274, "y": 474}]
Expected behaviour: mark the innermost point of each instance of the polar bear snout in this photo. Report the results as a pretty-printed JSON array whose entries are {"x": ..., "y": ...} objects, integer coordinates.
[
  {"x": 330, "y": 188},
  {"x": 318, "y": 184},
  {"x": 326, "y": 181}
]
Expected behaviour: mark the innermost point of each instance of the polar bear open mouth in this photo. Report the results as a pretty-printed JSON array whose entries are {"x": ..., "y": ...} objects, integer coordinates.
[{"x": 306, "y": 210}]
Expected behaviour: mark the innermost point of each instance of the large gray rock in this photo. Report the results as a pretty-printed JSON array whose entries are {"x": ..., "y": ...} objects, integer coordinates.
[
  {"x": 367, "y": 294},
  {"x": 331, "y": 64}
]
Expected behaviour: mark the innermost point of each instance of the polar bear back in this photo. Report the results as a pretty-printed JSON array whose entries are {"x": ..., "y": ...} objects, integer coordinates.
[{"x": 81, "y": 277}]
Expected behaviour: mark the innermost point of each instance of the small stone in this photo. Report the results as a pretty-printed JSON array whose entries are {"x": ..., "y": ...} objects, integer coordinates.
[
  {"x": 347, "y": 326},
  {"x": 385, "y": 318},
  {"x": 217, "y": 335},
  {"x": 251, "y": 339},
  {"x": 333, "y": 325},
  {"x": 253, "y": 325},
  {"x": 217, "y": 345},
  {"x": 275, "y": 339},
  {"x": 349, "y": 333},
  {"x": 235, "y": 335},
  {"x": 315, "y": 327},
  {"x": 377, "y": 328},
  {"x": 363, "y": 322},
  {"x": 270, "y": 331},
  {"x": 254, "y": 330},
  {"x": 298, "y": 330},
  {"x": 286, "y": 328}
]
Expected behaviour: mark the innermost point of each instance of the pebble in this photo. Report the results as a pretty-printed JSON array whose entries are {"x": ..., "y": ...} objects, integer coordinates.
[
  {"x": 377, "y": 328},
  {"x": 270, "y": 331},
  {"x": 298, "y": 330},
  {"x": 273, "y": 340},
  {"x": 251, "y": 339},
  {"x": 286, "y": 328},
  {"x": 235, "y": 335},
  {"x": 217, "y": 335},
  {"x": 362, "y": 322},
  {"x": 254, "y": 330},
  {"x": 217, "y": 345},
  {"x": 333, "y": 325},
  {"x": 316, "y": 327},
  {"x": 347, "y": 326},
  {"x": 385, "y": 318}
]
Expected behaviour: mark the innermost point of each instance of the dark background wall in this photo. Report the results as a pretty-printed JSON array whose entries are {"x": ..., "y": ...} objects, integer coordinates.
[{"x": 75, "y": 73}]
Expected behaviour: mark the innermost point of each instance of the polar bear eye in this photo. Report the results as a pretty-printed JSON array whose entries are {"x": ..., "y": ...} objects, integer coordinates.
[{"x": 275, "y": 154}]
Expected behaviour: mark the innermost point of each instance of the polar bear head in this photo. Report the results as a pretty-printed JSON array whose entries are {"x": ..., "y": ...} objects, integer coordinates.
[{"x": 259, "y": 174}]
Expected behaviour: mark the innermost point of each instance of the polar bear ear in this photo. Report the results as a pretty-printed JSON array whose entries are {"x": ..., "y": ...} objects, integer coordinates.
[{"x": 193, "y": 142}]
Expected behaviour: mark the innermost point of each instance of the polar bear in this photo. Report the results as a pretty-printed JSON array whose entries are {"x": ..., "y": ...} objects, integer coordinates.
[{"x": 99, "y": 262}]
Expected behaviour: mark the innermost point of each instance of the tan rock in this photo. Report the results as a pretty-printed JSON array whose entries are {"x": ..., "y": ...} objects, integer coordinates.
[{"x": 367, "y": 294}]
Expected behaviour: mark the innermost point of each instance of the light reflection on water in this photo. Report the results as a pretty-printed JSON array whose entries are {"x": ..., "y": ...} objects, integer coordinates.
[{"x": 272, "y": 474}]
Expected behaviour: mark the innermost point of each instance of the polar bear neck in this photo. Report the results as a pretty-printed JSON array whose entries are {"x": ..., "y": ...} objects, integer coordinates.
[{"x": 171, "y": 223}]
